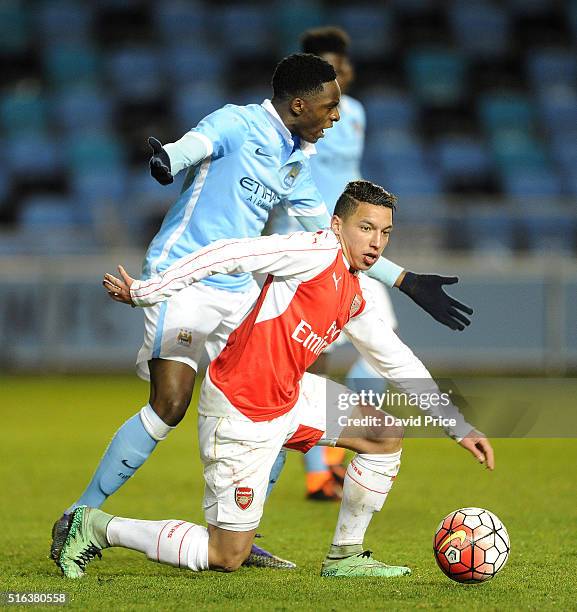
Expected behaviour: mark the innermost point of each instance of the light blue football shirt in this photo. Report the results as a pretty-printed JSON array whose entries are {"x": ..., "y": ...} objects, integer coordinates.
[
  {"x": 339, "y": 153},
  {"x": 252, "y": 169}
]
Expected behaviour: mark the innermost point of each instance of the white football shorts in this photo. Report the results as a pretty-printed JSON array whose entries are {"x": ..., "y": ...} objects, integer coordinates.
[
  {"x": 238, "y": 454},
  {"x": 193, "y": 319}
]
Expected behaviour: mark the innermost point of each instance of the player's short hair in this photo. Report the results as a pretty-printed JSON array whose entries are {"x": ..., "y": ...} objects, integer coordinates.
[
  {"x": 301, "y": 74},
  {"x": 362, "y": 191},
  {"x": 329, "y": 39}
]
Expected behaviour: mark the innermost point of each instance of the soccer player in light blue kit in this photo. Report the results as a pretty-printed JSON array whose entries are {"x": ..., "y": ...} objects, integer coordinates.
[{"x": 243, "y": 161}]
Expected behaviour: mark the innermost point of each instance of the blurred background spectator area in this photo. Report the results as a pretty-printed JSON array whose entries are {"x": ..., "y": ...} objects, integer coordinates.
[{"x": 471, "y": 111}]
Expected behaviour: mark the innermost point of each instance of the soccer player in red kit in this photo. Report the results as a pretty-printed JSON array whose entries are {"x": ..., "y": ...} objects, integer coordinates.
[{"x": 257, "y": 396}]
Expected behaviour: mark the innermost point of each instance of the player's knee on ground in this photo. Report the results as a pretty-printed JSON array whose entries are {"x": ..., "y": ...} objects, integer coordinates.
[{"x": 228, "y": 560}]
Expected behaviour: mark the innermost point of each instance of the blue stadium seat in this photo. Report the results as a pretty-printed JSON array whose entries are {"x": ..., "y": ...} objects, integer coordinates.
[
  {"x": 63, "y": 20},
  {"x": 99, "y": 188},
  {"x": 146, "y": 198},
  {"x": 246, "y": 29},
  {"x": 59, "y": 240},
  {"x": 194, "y": 63},
  {"x": 564, "y": 151},
  {"x": 516, "y": 150},
  {"x": 481, "y": 29},
  {"x": 542, "y": 183},
  {"x": 550, "y": 66},
  {"x": 193, "y": 103},
  {"x": 418, "y": 180},
  {"x": 135, "y": 73},
  {"x": 490, "y": 230},
  {"x": 92, "y": 151},
  {"x": 15, "y": 33},
  {"x": 570, "y": 183},
  {"x": 23, "y": 111},
  {"x": 460, "y": 157},
  {"x": 558, "y": 108},
  {"x": 437, "y": 76},
  {"x": 78, "y": 109},
  {"x": 506, "y": 110},
  {"x": 72, "y": 64},
  {"x": 34, "y": 156},
  {"x": 179, "y": 21},
  {"x": 370, "y": 28},
  {"x": 392, "y": 149},
  {"x": 390, "y": 109},
  {"x": 146, "y": 193},
  {"x": 291, "y": 18},
  {"x": 46, "y": 212}
]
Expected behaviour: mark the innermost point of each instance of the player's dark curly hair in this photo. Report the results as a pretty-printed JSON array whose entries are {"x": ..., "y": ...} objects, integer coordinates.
[
  {"x": 329, "y": 39},
  {"x": 362, "y": 191},
  {"x": 301, "y": 74}
]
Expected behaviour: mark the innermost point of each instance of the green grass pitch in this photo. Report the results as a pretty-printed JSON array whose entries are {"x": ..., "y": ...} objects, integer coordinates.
[{"x": 55, "y": 429}]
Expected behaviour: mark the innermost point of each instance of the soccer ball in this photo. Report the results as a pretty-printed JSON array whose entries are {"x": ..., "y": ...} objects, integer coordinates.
[{"x": 471, "y": 545}]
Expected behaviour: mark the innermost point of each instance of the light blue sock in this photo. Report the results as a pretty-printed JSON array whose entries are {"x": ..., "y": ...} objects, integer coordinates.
[
  {"x": 363, "y": 377},
  {"x": 315, "y": 460},
  {"x": 127, "y": 451},
  {"x": 275, "y": 471}
]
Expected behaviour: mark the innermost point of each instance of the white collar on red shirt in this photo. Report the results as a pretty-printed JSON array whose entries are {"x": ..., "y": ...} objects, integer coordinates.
[{"x": 308, "y": 148}]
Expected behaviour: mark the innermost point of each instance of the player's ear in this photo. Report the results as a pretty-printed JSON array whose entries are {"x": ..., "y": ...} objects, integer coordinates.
[
  {"x": 336, "y": 225},
  {"x": 297, "y": 106}
]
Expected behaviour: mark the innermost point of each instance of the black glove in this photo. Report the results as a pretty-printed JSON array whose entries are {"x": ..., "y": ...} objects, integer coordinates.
[
  {"x": 427, "y": 291},
  {"x": 160, "y": 163}
]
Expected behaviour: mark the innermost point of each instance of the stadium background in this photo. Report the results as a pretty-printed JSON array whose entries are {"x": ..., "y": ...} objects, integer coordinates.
[{"x": 472, "y": 121}]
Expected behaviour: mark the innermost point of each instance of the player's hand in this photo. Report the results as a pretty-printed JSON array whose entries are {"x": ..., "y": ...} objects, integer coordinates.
[
  {"x": 478, "y": 445},
  {"x": 427, "y": 291},
  {"x": 119, "y": 289},
  {"x": 160, "y": 163}
]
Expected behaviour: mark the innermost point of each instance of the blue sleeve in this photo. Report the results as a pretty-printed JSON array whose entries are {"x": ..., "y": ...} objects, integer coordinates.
[{"x": 226, "y": 129}]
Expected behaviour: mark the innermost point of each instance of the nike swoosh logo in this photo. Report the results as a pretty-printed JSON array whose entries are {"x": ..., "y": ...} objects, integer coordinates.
[
  {"x": 130, "y": 467},
  {"x": 336, "y": 280},
  {"x": 461, "y": 535},
  {"x": 260, "y": 152}
]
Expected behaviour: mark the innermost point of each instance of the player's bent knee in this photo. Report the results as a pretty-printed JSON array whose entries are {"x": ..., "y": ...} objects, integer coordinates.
[
  {"x": 172, "y": 407},
  {"x": 227, "y": 561},
  {"x": 227, "y": 564}
]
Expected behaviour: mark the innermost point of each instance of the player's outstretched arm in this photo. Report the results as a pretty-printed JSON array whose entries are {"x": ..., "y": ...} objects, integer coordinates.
[
  {"x": 119, "y": 289},
  {"x": 427, "y": 291},
  {"x": 480, "y": 447}
]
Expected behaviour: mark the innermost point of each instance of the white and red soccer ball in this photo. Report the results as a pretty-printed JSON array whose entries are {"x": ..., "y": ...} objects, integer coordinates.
[{"x": 471, "y": 545}]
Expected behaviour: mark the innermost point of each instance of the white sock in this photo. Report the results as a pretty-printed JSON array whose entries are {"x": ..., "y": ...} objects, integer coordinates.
[
  {"x": 154, "y": 425},
  {"x": 173, "y": 542},
  {"x": 368, "y": 480}
]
